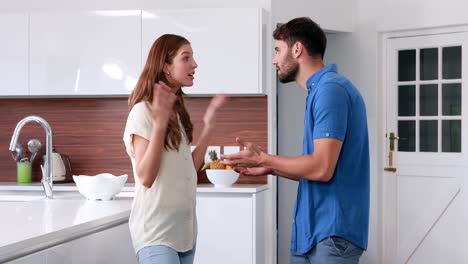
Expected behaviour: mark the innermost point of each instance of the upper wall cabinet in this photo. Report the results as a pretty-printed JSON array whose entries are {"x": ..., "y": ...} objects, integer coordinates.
[
  {"x": 227, "y": 45},
  {"x": 14, "y": 55},
  {"x": 85, "y": 53}
]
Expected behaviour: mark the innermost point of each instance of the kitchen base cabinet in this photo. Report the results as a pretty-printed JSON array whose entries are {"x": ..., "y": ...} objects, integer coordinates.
[
  {"x": 111, "y": 245},
  {"x": 231, "y": 228}
]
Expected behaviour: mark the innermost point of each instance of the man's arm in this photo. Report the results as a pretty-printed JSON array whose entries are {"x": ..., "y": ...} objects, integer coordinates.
[{"x": 318, "y": 166}]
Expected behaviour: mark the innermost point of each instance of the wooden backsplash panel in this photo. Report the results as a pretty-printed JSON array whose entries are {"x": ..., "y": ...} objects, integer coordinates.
[{"x": 89, "y": 131}]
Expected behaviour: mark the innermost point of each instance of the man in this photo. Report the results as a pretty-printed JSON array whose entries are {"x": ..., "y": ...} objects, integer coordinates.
[{"x": 332, "y": 207}]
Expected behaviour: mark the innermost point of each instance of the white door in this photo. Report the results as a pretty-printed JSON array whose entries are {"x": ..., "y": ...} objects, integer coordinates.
[{"x": 425, "y": 206}]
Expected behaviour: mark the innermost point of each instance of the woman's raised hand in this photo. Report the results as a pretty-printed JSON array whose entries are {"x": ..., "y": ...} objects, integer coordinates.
[
  {"x": 161, "y": 108},
  {"x": 211, "y": 112}
]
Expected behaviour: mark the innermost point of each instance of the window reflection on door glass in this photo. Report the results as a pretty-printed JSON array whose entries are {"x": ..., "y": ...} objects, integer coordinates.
[
  {"x": 428, "y": 63},
  {"x": 407, "y": 134},
  {"x": 428, "y": 100},
  {"x": 451, "y": 135},
  {"x": 451, "y": 99},
  {"x": 451, "y": 67},
  {"x": 406, "y": 100},
  {"x": 406, "y": 65},
  {"x": 428, "y": 135}
]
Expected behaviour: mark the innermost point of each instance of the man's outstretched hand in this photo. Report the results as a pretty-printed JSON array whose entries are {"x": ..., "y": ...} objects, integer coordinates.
[{"x": 248, "y": 160}]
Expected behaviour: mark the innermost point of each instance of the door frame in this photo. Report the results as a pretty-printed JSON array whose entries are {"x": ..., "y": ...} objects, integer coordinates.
[{"x": 385, "y": 179}]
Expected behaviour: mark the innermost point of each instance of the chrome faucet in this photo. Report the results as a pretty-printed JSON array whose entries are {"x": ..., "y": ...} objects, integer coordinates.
[{"x": 46, "y": 181}]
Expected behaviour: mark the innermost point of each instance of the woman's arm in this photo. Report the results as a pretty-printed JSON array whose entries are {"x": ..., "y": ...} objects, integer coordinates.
[
  {"x": 209, "y": 120},
  {"x": 198, "y": 154},
  {"x": 148, "y": 156}
]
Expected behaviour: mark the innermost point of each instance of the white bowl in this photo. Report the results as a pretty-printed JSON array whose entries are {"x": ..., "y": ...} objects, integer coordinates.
[
  {"x": 103, "y": 186},
  {"x": 222, "y": 178}
]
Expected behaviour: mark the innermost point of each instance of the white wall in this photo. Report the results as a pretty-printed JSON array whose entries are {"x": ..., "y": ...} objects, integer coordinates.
[
  {"x": 404, "y": 14},
  {"x": 332, "y": 15}
]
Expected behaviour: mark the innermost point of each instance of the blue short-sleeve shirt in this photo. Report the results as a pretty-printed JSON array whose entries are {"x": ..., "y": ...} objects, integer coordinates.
[{"x": 340, "y": 207}]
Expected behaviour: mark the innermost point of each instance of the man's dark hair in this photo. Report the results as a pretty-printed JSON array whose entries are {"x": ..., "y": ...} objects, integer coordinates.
[{"x": 306, "y": 31}]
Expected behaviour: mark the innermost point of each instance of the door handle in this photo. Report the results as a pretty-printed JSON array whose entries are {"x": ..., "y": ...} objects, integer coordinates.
[
  {"x": 392, "y": 139},
  {"x": 390, "y": 163}
]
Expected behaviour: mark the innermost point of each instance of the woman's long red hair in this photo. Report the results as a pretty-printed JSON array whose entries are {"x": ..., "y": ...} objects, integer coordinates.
[{"x": 163, "y": 51}]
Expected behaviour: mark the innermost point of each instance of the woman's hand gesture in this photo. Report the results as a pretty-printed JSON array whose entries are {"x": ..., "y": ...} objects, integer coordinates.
[
  {"x": 211, "y": 112},
  {"x": 161, "y": 108}
]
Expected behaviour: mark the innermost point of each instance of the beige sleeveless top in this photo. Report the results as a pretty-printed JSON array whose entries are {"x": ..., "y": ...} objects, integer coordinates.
[{"x": 165, "y": 213}]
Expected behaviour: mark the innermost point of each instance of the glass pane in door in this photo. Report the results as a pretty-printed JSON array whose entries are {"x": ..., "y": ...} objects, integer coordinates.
[
  {"x": 428, "y": 134},
  {"x": 451, "y": 67},
  {"x": 428, "y": 100},
  {"x": 406, "y": 65},
  {"x": 407, "y": 134},
  {"x": 451, "y": 135},
  {"x": 406, "y": 100},
  {"x": 429, "y": 63},
  {"x": 451, "y": 99}
]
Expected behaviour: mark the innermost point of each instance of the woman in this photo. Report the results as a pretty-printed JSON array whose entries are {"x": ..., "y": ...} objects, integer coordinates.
[{"x": 157, "y": 137}]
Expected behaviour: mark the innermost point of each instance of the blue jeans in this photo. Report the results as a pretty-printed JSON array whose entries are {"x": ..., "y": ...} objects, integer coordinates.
[
  {"x": 331, "y": 250},
  {"x": 164, "y": 255}
]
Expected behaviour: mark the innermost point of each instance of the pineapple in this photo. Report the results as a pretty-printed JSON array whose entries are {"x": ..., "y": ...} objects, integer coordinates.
[{"x": 214, "y": 164}]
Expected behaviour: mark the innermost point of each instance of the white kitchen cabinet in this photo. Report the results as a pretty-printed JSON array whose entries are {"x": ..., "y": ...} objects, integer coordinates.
[
  {"x": 111, "y": 245},
  {"x": 227, "y": 44},
  {"x": 231, "y": 228},
  {"x": 84, "y": 53},
  {"x": 14, "y": 75}
]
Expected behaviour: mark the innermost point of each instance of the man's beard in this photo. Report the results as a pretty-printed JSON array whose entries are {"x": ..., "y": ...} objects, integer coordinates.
[{"x": 289, "y": 72}]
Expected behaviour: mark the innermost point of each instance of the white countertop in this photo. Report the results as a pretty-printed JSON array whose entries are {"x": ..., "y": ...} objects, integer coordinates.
[
  {"x": 129, "y": 187},
  {"x": 27, "y": 227}
]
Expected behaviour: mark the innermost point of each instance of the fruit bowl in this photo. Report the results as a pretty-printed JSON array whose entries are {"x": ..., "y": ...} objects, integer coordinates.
[
  {"x": 222, "y": 178},
  {"x": 103, "y": 186}
]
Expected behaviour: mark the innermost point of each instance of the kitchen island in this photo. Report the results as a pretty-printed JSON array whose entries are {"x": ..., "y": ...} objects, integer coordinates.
[
  {"x": 31, "y": 224},
  {"x": 71, "y": 229}
]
